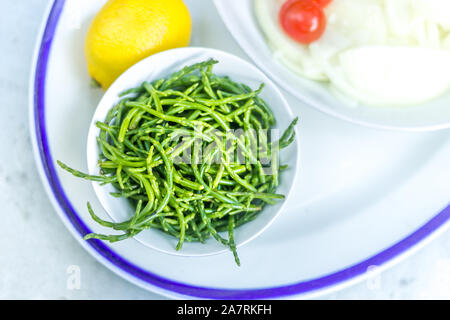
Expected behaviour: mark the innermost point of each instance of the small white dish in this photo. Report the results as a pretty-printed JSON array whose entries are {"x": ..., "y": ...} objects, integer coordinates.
[
  {"x": 161, "y": 65},
  {"x": 240, "y": 20}
]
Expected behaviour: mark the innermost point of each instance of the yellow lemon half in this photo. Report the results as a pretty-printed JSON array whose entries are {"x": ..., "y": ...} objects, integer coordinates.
[{"x": 126, "y": 31}]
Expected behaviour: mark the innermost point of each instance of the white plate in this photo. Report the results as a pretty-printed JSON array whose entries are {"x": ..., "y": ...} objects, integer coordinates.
[
  {"x": 239, "y": 18},
  {"x": 363, "y": 198}
]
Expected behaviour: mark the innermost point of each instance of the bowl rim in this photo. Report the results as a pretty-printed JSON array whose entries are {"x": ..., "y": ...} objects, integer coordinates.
[{"x": 129, "y": 76}]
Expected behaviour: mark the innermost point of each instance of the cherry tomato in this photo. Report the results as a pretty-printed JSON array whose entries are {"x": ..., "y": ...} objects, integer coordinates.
[
  {"x": 303, "y": 20},
  {"x": 323, "y": 3}
]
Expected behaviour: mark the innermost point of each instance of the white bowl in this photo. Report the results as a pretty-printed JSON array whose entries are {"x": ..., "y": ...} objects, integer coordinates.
[
  {"x": 160, "y": 65},
  {"x": 239, "y": 18}
]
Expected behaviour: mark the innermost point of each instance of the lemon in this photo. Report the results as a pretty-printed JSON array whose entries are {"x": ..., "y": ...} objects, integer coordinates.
[{"x": 126, "y": 31}]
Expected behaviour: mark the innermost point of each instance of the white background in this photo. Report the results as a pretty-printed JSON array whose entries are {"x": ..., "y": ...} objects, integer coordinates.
[{"x": 36, "y": 251}]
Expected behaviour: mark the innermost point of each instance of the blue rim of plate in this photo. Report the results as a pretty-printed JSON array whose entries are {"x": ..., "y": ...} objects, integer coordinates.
[{"x": 154, "y": 280}]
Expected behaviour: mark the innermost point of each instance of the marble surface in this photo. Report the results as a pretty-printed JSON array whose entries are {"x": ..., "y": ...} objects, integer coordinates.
[{"x": 39, "y": 257}]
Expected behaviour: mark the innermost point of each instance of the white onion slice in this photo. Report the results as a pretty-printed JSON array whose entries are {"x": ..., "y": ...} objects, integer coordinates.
[{"x": 387, "y": 75}]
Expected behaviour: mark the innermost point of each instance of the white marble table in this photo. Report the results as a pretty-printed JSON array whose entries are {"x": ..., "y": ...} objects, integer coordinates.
[{"x": 37, "y": 252}]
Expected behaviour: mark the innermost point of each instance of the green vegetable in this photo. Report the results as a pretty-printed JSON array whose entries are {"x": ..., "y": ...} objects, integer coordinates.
[{"x": 220, "y": 186}]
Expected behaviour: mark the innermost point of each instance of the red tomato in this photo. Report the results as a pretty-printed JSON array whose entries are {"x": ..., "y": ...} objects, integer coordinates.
[
  {"x": 303, "y": 20},
  {"x": 322, "y": 3}
]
